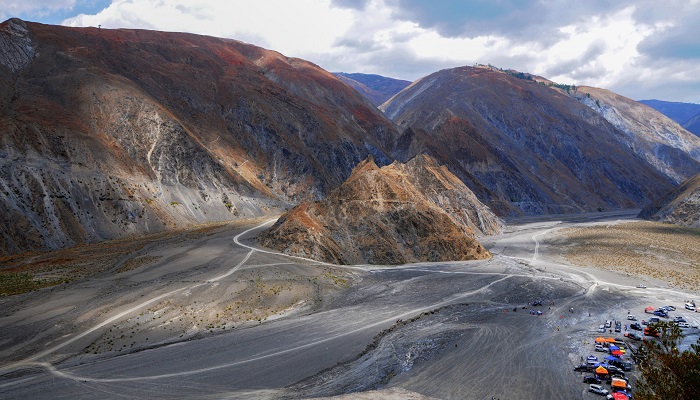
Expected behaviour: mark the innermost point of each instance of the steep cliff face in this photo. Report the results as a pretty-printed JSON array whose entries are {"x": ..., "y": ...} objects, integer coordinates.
[
  {"x": 107, "y": 133},
  {"x": 681, "y": 206},
  {"x": 522, "y": 147},
  {"x": 660, "y": 141},
  {"x": 400, "y": 213}
]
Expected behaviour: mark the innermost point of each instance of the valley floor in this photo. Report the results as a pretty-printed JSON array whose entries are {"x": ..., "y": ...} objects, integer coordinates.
[{"x": 209, "y": 315}]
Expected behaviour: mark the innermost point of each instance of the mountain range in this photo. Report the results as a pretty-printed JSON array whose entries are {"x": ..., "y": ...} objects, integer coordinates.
[
  {"x": 686, "y": 114},
  {"x": 110, "y": 133},
  {"x": 525, "y": 146}
]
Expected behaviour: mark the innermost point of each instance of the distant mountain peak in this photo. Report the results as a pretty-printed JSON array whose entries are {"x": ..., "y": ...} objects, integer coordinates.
[{"x": 375, "y": 88}]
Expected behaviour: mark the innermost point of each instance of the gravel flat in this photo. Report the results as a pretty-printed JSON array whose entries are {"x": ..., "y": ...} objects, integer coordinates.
[{"x": 216, "y": 318}]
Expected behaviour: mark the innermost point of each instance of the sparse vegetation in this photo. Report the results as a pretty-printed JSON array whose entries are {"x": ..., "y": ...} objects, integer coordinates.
[
  {"x": 668, "y": 373},
  {"x": 21, "y": 282}
]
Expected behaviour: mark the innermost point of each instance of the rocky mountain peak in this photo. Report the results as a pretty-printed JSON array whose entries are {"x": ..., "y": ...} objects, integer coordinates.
[{"x": 417, "y": 211}]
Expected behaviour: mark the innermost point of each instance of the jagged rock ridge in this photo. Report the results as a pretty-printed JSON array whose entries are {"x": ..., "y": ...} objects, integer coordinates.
[
  {"x": 396, "y": 214},
  {"x": 522, "y": 146},
  {"x": 681, "y": 206},
  {"x": 108, "y": 133}
]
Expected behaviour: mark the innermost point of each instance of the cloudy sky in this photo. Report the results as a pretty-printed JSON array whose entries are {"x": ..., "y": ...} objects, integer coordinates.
[{"x": 641, "y": 49}]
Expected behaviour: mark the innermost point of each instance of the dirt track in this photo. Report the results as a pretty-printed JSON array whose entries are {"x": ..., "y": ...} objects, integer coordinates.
[{"x": 334, "y": 331}]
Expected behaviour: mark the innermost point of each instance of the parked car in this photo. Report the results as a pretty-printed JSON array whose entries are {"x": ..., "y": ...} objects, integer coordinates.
[
  {"x": 591, "y": 379},
  {"x": 537, "y": 303},
  {"x": 615, "y": 370},
  {"x": 641, "y": 286},
  {"x": 670, "y": 308},
  {"x": 653, "y": 320},
  {"x": 600, "y": 347},
  {"x": 631, "y": 318},
  {"x": 597, "y": 389},
  {"x": 601, "y": 328},
  {"x": 635, "y": 326},
  {"x": 690, "y": 306},
  {"x": 618, "y": 326},
  {"x": 580, "y": 368},
  {"x": 678, "y": 318},
  {"x": 633, "y": 335},
  {"x": 608, "y": 324},
  {"x": 661, "y": 313},
  {"x": 683, "y": 325}
]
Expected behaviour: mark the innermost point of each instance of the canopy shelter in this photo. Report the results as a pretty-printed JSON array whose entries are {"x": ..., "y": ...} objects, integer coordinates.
[
  {"x": 616, "y": 353},
  {"x": 601, "y": 370},
  {"x": 619, "y": 396},
  {"x": 600, "y": 339},
  {"x": 610, "y": 340},
  {"x": 591, "y": 358},
  {"x": 612, "y": 347},
  {"x": 613, "y": 358},
  {"x": 649, "y": 309},
  {"x": 618, "y": 384}
]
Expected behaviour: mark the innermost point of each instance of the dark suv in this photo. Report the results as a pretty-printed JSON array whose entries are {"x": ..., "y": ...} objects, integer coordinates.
[{"x": 591, "y": 379}]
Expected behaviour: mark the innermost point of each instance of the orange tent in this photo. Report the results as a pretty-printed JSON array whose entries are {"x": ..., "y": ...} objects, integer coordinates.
[
  {"x": 610, "y": 340},
  {"x": 618, "y": 384},
  {"x": 601, "y": 371},
  {"x": 649, "y": 310},
  {"x": 600, "y": 339}
]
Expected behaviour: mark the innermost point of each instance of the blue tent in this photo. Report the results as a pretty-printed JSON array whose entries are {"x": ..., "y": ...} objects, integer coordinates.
[
  {"x": 613, "y": 348},
  {"x": 612, "y": 358},
  {"x": 592, "y": 358},
  {"x": 602, "y": 364}
]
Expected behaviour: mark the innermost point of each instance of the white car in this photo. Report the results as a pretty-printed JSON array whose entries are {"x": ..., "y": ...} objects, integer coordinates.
[
  {"x": 597, "y": 389},
  {"x": 631, "y": 318},
  {"x": 641, "y": 286},
  {"x": 683, "y": 325},
  {"x": 690, "y": 306}
]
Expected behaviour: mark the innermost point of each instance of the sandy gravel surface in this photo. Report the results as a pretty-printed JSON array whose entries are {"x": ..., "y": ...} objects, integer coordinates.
[
  {"x": 209, "y": 316},
  {"x": 663, "y": 253}
]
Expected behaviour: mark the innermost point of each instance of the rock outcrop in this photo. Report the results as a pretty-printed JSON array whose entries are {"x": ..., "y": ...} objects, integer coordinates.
[
  {"x": 681, "y": 206},
  {"x": 109, "y": 133},
  {"x": 522, "y": 146},
  {"x": 396, "y": 214}
]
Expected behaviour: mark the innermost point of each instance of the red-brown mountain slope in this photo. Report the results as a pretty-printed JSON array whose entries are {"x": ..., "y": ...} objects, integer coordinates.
[
  {"x": 521, "y": 146},
  {"x": 106, "y": 133},
  {"x": 400, "y": 213}
]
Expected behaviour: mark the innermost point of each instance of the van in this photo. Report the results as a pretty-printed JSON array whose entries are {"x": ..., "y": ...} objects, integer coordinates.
[{"x": 600, "y": 347}]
